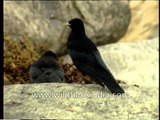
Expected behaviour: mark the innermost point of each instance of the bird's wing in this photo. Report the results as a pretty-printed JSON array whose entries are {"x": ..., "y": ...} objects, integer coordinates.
[
  {"x": 52, "y": 75},
  {"x": 93, "y": 65},
  {"x": 35, "y": 74},
  {"x": 60, "y": 74},
  {"x": 91, "y": 60},
  {"x": 99, "y": 60},
  {"x": 94, "y": 58}
]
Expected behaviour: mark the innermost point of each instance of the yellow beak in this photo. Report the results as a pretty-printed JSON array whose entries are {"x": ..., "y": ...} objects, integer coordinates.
[{"x": 67, "y": 24}]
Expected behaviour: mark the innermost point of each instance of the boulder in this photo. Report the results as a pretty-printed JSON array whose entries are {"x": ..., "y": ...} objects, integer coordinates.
[
  {"x": 43, "y": 22},
  {"x": 144, "y": 24}
]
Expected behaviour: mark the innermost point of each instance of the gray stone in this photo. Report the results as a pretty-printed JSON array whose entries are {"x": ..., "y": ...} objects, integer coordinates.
[
  {"x": 134, "y": 63},
  {"x": 75, "y": 101},
  {"x": 43, "y": 21}
]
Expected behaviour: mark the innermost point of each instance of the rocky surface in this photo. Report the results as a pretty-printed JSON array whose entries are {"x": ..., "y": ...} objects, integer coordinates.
[
  {"x": 73, "y": 101},
  {"x": 136, "y": 62},
  {"x": 44, "y": 21},
  {"x": 145, "y": 20}
]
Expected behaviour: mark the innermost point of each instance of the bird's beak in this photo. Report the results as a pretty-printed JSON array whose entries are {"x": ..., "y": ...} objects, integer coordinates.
[{"x": 67, "y": 24}]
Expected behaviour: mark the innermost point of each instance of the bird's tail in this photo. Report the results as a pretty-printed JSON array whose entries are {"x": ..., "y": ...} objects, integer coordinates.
[
  {"x": 105, "y": 77},
  {"x": 109, "y": 81}
]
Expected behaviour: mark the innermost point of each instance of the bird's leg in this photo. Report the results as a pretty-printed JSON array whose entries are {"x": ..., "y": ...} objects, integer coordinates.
[
  {"x": 82, "y": 80},
  {"x": 101, "y": 84},
  {"x": 83, "y": 84}
]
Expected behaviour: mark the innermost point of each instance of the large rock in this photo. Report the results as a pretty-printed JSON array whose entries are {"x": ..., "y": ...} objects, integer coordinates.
[
  {"x": 71, "y": 101},
  {"x": 136, "y": 63},
  {"x": 144, "y": 24},
  {"x": 43, "y": 21}
]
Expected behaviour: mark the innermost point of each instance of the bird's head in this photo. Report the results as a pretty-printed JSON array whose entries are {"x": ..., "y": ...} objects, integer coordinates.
[
  {"x": 50, "y": 54},
  {"x": 76, "y": 25}
]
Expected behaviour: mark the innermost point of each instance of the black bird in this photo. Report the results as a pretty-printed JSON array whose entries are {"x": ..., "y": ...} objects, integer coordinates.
[
  {"x": 87, "y": 58},
  {"x": 46, "y": 69}
]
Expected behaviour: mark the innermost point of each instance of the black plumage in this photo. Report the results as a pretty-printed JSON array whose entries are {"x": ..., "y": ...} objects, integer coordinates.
[
  {"x": 46, "y": 69},
  {"x": 87, "y": 58}
]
